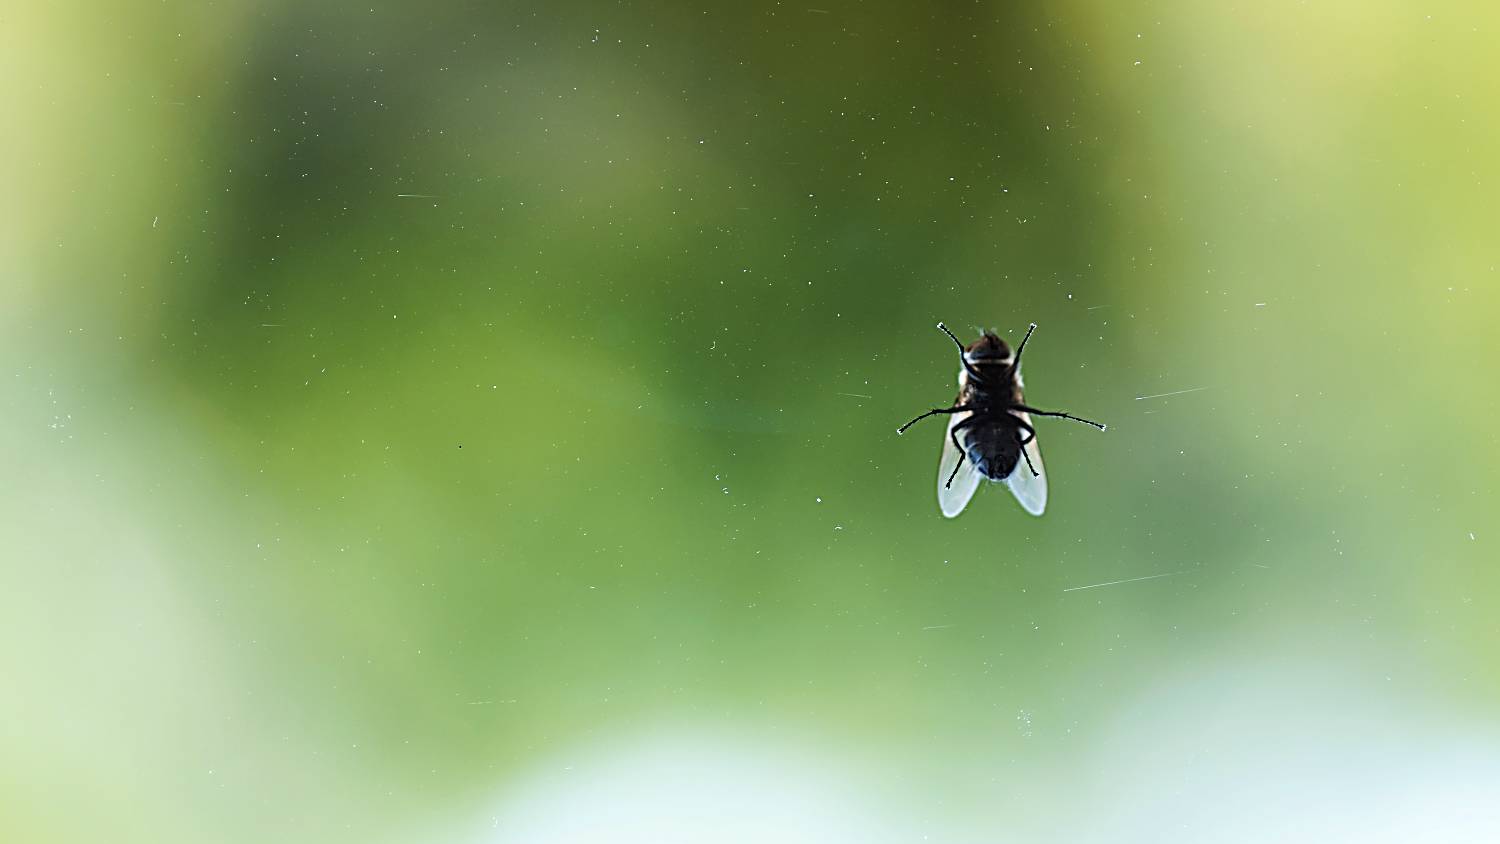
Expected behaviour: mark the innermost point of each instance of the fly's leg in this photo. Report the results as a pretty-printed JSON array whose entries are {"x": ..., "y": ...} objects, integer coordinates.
[
  {"x": 1027, "y": 429},
  {"x": 933, "y": 412},
  {"x": 1034, "y": 472},
  {"x": 1029, "y": 435},
  {"x": 962, "y": 453},
  {"x": 1034, "y": 412},
  {"x": 1015, "y": 364}
]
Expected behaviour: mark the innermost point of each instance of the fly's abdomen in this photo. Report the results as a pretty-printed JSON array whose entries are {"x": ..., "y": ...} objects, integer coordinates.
[{"x": 993, "y": 450}]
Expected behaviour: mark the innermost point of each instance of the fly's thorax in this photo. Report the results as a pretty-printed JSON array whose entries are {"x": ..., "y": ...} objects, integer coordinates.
[{"x": 996, "y": 386}]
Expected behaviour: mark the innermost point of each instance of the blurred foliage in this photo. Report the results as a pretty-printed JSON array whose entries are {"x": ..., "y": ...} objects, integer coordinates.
[{"x": 398, "y": 396}]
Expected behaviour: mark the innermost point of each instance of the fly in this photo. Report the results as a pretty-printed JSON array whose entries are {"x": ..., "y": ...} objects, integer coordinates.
[{"x": 989, "y": 428}]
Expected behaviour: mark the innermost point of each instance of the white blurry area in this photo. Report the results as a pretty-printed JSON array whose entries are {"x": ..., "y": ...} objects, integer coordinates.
[
  {"x": 696, "y": 785},
  {"x": 1241, "y": 752},
  {"x": 136, "y": 703}
]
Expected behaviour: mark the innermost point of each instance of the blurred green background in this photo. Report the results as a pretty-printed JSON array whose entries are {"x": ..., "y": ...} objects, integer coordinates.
[{"x": 476, "y": 422}]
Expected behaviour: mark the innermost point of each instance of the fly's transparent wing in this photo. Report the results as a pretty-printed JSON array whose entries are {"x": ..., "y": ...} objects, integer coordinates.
[
  {"x": 1029, "y": 489},
  {"x": 953, "y": 499}
]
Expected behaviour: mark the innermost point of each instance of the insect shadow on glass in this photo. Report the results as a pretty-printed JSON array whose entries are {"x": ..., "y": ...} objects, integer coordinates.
[{"x": 990, "y": 434}]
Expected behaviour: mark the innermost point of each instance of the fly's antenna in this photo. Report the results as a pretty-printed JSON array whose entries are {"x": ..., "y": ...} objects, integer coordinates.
[
  {"x": 963, "y": 356},
  {"x": 1015, "y": 364}
]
